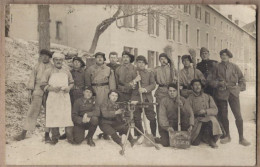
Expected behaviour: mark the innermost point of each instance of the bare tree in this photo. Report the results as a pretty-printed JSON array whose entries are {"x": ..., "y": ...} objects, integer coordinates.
[
  {"x": 44, "y": 26},
  {"x": 122, "y": 12}
]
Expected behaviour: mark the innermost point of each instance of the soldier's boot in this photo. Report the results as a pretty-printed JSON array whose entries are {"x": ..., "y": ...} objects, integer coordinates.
[
  {"x": 117, "y": 139},
  {"x": 242, "y": 140},
  {"x": 21, "y": 136},
  {"x": 227, "y": 137},
  {"x": 47, "y": 138},
  {"x": 153, "y": 127},
  {"x": 91, "y": 142},
  {"x": 54, "y": 141},
  {"x": 63, "y": 137},
  {"x": 106, "y": 137},
  {"x": 212, "y": 143}
]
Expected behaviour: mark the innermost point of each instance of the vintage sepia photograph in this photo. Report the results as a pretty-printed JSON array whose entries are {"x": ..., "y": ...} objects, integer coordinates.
[{"x": 130, "y": 84}]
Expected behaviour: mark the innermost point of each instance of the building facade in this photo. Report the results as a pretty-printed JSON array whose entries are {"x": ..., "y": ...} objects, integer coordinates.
[{"x": 146, "y": 31}]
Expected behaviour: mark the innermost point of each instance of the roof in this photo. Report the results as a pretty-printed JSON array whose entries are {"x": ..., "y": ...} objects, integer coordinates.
[{"x": 250, "y": 27}]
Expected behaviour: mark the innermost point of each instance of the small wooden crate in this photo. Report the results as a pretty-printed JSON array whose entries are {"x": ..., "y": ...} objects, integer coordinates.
[{"x": 180, "y": 139}]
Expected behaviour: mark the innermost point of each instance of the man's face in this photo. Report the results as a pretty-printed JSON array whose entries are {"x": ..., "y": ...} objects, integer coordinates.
[
  {"x": 172, "y": 92},
  {"x": 186, "y": 62},
  {"x": 140, "y": 64},
  {"x": 204, "y": 55},
  {"x": 125, "y": 59},
  {"x": 58, "y": 62},
  {"x": 113, "y": 59},
  {"x": 87, "y": 94},
  {"x": 163, "y": 60},
  {"x": 76, "y": 64},
  {"x": 99, "y": 59},
  {"x": 45, "y": 58},
  {"x": 113, "y": 96},
  {"x": 224, "y": 57},
  {"x": 196, "y": 87}
]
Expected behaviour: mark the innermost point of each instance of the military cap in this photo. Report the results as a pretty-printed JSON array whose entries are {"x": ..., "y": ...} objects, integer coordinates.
[{"x": 132, "y": 57}]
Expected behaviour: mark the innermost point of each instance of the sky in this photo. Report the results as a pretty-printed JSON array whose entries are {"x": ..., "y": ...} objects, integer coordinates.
[{"x": 244, "y": 13}]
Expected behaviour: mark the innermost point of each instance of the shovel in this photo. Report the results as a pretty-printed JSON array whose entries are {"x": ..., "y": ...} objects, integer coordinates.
[
  {"x": 150, "y": 136},
  {"x": 179, "y": 139}
]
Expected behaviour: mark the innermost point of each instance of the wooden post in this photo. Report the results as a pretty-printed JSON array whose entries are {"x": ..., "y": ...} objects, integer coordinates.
[{"x": 44, "y": 27}]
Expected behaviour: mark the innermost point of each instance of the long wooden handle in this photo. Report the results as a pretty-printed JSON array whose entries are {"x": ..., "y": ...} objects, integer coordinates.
[
  {"x": 178, "y": 95},
  {"x": 142, "y": 100}
]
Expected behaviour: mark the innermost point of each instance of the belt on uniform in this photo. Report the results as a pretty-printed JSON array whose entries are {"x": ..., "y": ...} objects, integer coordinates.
[
  {"x": 99, "y": 84},
  {"x": 109, "y": 119},
  {"x": 162, "y": 85}
]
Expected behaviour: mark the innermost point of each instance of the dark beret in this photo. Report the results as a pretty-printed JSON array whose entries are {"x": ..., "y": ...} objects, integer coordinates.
[
  {"x": 132, "y": 57},
  {"x": 227, "y": 52},
  {"x": 80, "y": 60},
  {"x": 46, "y": 52},
  {"x": 203, "y": 49},
  {"x": 166, "y": 56},
  {"x": 101, "y": 54},
  {"x": 91, "y": 89},
  {"x": 141, "y": 58},
  {"x": 186, "y": 57},
  {"x": 173, "y": 85},
  {"x": 197, "y": 80}
]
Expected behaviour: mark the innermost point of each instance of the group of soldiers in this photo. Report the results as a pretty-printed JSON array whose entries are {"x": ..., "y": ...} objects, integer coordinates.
[{"x": 85, "y": 98}]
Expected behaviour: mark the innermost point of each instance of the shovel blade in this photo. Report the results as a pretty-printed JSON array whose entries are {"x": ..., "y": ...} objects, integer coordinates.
[
  {"x": 180, "y": 139},
  {"x": 146, "y": 142}
]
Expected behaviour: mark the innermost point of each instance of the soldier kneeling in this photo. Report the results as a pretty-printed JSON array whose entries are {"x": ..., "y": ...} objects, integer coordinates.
[
  {"x": 111, "y": 119},
  {"x": 168, "y": 114},
  {"x": 85, "y": 117}
]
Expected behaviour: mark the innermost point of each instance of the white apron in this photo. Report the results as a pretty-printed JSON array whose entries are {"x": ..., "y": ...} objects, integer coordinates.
[{"x": 58, "y": 105}]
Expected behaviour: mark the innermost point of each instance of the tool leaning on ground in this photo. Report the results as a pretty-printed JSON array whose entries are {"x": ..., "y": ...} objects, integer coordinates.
[{"x": 179, "y": 139}]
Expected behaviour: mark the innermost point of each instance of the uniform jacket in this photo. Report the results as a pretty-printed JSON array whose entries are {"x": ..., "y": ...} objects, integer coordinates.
[
  {"x": 163, "y": 76},
  {"x": 82, "y": 106},
  {"x": 168, "y": 113},
  {"x": 206, "y": 102},
  {"x": 79, "y": 84},
  {"x": 187, "y": 75},
  {"x": 36, "y": 76},
  {"x": 232, "y": 76},
  {"x": 147, "y": 82},
  {"x": 125, "y": 74}
]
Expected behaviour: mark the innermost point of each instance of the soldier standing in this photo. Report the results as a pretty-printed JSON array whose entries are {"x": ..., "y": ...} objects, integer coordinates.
[
  {"x": 229, "y": 81},
  {"x": 113, "y": 58},
  {"x": 35, "y": 94},
  {"x": 147, "y": 86}
]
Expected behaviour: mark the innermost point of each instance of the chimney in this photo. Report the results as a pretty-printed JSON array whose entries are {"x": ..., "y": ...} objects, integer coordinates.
[
  {"x": 237, "y": 22},
  {"x": 230, "y": 17}
]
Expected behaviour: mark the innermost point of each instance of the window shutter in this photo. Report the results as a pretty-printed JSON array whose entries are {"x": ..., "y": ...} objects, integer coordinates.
[
  {"x": 136, "y": 17},
  {"x": 157, "y": 23},
  {"x": 173, "y": 29},
  {"x": 149, "y": 21}
]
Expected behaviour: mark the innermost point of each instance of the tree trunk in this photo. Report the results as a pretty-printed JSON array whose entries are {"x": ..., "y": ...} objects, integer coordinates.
[
  {"x": 7, "y": 20},
  {"x": 44, "y": 27},
  {"x": 94, "y": 42}
]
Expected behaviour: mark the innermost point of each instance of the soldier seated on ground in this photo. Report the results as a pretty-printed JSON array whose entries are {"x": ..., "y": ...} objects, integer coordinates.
[
  {"x": 111, "y": 119},
  {"x": 168, "y": 114},
  {"x": 85, "y": 117},
  {"x": 206, "y": 126}
]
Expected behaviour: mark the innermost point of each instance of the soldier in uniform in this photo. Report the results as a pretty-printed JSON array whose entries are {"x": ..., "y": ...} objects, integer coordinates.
[
  {"x": 229, "y": 81},
  {"x": 206, "y": 126},
  {"x": 168, "y": 114},
  {"x": 147, "y": 86},
  {"x": 113, "y": 58},
  {"x": 206, "y": 66},
  {"x": 85, "y": 117},
  {"x": 35, "y": 94},
  {"x": 101, "y": 78},
  {"x": 126, "y": 77},
  {"x": 164, "y": 75},
  {"x": 187, "y": 75},
  {"x": 111, "y": 119}
]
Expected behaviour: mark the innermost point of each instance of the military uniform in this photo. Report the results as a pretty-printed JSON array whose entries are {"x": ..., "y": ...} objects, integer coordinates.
[
  {"x": 102, "y": 80},
  {"x": 186, "y": 76},
  {"x": 84, "y": 106},
  {"x": 168, "y": 117},
  {"x": 111, "y": 123},
  {"x": 37, "y": 95},
  {"x": 124, "y": 75},
  {"x": 147, "y": 82},
  {"x": 113, "y": 66},
  {"x": 205, "y": 126},
  {"x": 79, "y": 84}
]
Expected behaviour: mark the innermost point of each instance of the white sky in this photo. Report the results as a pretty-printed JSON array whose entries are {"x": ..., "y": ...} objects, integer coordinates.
[{"x": 244, "y": 13}]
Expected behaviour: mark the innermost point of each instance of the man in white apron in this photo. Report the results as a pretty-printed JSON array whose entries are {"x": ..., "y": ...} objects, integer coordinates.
[{"x": 58, "y": 82}]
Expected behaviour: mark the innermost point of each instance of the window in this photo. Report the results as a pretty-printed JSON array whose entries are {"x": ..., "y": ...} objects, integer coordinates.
[
  {"x": 207, "y": 18},
  {"x": 153, "y": 23},
  {"x": 215, "y": 21},
  {"x": 58, "y": 34},
  {"x": 130, "y": 21},
  {"x": 187, "y": 33},
  {"x": 221, "y": 25},
  {"x": 207, "y": 40},
  {"x": 215, "y": 44},
  {"x": 157, "y": 59},
  {"x": 151, "y": 56},
  {"x": 198, "y": 12},
  {"x": 179, "y": 31},
  {"x": 198, "y": 38},
  {"x": 168, "y": 27},
  {"x": 187, "y": 9}
]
